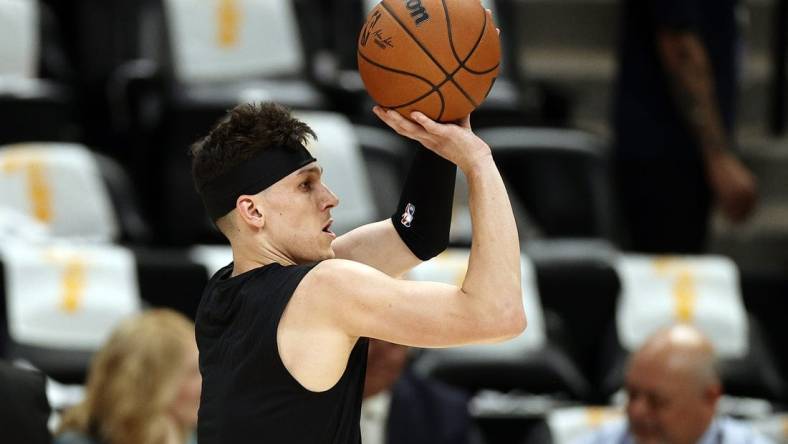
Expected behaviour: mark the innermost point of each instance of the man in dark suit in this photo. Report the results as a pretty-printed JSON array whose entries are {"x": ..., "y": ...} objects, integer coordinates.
[
  {"x": 401, "y": 407},
  {"x": 25, "y": 410}
]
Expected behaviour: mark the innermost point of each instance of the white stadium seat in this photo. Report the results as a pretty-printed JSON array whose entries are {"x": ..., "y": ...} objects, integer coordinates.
[{"x": 60, "y": 186}]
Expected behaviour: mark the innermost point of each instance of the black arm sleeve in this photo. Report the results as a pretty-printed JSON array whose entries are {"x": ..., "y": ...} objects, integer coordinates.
[{"x": 423, "y": 215}]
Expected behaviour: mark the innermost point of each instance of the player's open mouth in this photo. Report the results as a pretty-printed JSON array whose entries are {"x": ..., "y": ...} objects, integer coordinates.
[{"x": 327, "y": 227}]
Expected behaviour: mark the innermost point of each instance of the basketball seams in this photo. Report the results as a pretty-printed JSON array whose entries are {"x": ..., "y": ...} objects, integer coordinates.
[
  {"x": 413, "y": 37},
  {"x": 433, "y": 88},
  {"x": 475, "y": 46},
  {"x": 451, "y": 37},
  {"x": 398, "y": 71},
  {"x": 420, "y": 45}
]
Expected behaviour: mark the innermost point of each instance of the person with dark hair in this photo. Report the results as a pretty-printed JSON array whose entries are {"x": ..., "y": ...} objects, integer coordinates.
[
  {"x": 282, "y": 330},
  {"x": 674, "y": 122}
]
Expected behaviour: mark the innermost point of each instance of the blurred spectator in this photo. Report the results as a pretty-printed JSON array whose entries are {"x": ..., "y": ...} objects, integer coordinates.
[
  {"x": 24, "y": 419},
  {"x": 400, "y": 407},
  {"x": 143, "y": 386},
  {"x": 674, "y": 122},
  {"x": 673, "y": 389}
]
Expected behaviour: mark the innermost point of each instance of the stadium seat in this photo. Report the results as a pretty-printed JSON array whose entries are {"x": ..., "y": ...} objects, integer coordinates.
[
  {"x": 529, "y": 363},
  {"x": 59, "y": 185},
  {"x": 74, "y": 193},
  {"x": 62, "y": 301},
  {"x": 194, "y": 61},
  {"x": 560, "y": 176},
  {"x": 224, "y": 53},
  {"x": 578, "y": 289},
  {"x": 764, "y": 297},
  {"x": 703, "y": 291},
  {"x": 32, "y": 108}
]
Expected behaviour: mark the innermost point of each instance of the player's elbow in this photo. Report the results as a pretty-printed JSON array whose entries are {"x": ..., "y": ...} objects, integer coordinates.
[
  {"x": 516, "y": 322},
  {"x": 509, "y": 320}
]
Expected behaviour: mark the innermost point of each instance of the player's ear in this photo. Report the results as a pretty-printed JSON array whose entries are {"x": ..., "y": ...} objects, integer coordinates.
[{"x": 250, "y": 211}]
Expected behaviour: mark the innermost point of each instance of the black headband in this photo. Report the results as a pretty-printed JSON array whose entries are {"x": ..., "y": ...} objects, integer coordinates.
[{"x": 252, "y": 176}]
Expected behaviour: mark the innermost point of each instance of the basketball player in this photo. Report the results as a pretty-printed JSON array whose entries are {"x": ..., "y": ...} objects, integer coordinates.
[{"x": 282, "y": 330}]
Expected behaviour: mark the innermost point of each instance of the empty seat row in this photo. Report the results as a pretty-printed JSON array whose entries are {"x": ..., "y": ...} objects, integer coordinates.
[{"x": 61, "y": 298}]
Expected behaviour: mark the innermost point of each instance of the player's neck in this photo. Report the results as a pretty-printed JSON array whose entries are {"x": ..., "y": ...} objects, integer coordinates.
[{"x": 246, "y": 259}]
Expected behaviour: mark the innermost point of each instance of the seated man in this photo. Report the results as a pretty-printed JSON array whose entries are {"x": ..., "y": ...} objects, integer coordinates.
[
  {"x": 673, "y": 389},
  {"x": 402, "y": 407}
]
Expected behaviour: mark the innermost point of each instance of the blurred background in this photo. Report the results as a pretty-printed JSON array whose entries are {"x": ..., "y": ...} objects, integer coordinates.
[{"x": 99, "y": 220}]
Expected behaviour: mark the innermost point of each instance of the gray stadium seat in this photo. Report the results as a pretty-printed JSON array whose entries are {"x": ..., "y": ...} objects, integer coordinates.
[
  {"x": 32, "y": 107},
  {"x": 560, "y": 176},
  {"x": 704, "y": 291}
]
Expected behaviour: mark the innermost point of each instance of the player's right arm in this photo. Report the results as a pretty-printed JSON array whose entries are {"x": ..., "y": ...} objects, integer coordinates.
[{"x": 361, "y": 301}]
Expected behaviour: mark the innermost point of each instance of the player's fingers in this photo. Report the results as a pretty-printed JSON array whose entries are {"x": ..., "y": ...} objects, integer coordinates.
[
  {"x": 403, "y": 123},
  {"x": 403, "y": 126},
  {"x": 430, "y": 125}
]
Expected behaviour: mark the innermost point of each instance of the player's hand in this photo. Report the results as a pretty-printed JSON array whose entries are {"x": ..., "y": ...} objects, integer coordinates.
[
  {"x": 733, "y": 184},
  {"x": 453, "y": 141}
]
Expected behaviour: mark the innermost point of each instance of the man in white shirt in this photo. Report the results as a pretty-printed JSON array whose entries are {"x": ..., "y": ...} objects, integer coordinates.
[{"x": 673, "y": 389}]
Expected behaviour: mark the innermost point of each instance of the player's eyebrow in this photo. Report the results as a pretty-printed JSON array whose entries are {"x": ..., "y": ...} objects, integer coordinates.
[{"x": 313, "y": 169}]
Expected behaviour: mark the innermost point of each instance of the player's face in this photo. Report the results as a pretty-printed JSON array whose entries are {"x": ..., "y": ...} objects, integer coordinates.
[
  {"x": 666, "y": 406},
  {"x": 298, "y": 215}
]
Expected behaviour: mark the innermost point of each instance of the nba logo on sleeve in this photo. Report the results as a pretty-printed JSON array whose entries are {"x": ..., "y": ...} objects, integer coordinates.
[{"x": 407, "y": 216}]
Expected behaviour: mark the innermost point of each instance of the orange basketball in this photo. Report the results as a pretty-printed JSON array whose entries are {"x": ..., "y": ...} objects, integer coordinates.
[{"x": 440, "y": 57}]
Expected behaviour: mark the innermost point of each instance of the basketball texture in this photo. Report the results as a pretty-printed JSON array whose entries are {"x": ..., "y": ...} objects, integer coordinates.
[{"x": 440, "y": 57}]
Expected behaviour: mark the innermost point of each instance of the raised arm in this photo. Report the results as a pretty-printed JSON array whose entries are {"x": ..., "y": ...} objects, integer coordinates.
[
  {"x": 363, "y": 302},
  {"x": 340, "y": 301},
  {"x": 419, "y": 227}
]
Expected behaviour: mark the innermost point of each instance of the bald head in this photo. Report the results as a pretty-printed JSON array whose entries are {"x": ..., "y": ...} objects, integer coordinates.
[
  {"x": 673, "y": 387},
  {"x": 683, "y": 351}
]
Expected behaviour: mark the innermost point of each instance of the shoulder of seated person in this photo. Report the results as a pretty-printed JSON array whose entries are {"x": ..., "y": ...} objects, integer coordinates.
[
  {"x": 73, "y": 437},
  {"x": 735, "y": 430}
]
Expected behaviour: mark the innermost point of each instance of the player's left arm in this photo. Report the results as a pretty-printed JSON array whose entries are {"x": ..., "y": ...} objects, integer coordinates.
[
  {"x": 419, "y": 228},
  {"x": 378, "y": 245}
]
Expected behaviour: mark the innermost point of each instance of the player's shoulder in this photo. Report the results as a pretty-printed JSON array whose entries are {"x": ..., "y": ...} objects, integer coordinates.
[
  {"x": 337, "y": 280},
  {"x": 333, "y": 268}
]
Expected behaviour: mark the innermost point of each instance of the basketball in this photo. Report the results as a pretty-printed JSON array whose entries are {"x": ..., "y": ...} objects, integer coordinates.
[{"x": 440, "y": 57}]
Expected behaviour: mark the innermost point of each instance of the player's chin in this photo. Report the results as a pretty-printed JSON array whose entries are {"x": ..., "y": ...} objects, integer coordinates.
[{"x": 326, "y": 253}]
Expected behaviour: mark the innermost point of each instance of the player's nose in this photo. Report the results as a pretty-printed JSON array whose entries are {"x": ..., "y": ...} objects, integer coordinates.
[{"x": 330, "y": 200}]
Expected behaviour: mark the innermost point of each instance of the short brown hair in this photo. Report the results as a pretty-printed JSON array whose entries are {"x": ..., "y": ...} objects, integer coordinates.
[{"x": 244, "y": 132}]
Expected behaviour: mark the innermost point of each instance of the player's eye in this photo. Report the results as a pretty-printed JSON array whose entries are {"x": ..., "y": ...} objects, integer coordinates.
[{"x": 306, "y": 186}]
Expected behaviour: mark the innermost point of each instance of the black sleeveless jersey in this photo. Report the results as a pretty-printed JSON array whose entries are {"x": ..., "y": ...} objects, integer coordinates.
[{"x": 248, "y": 396}]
